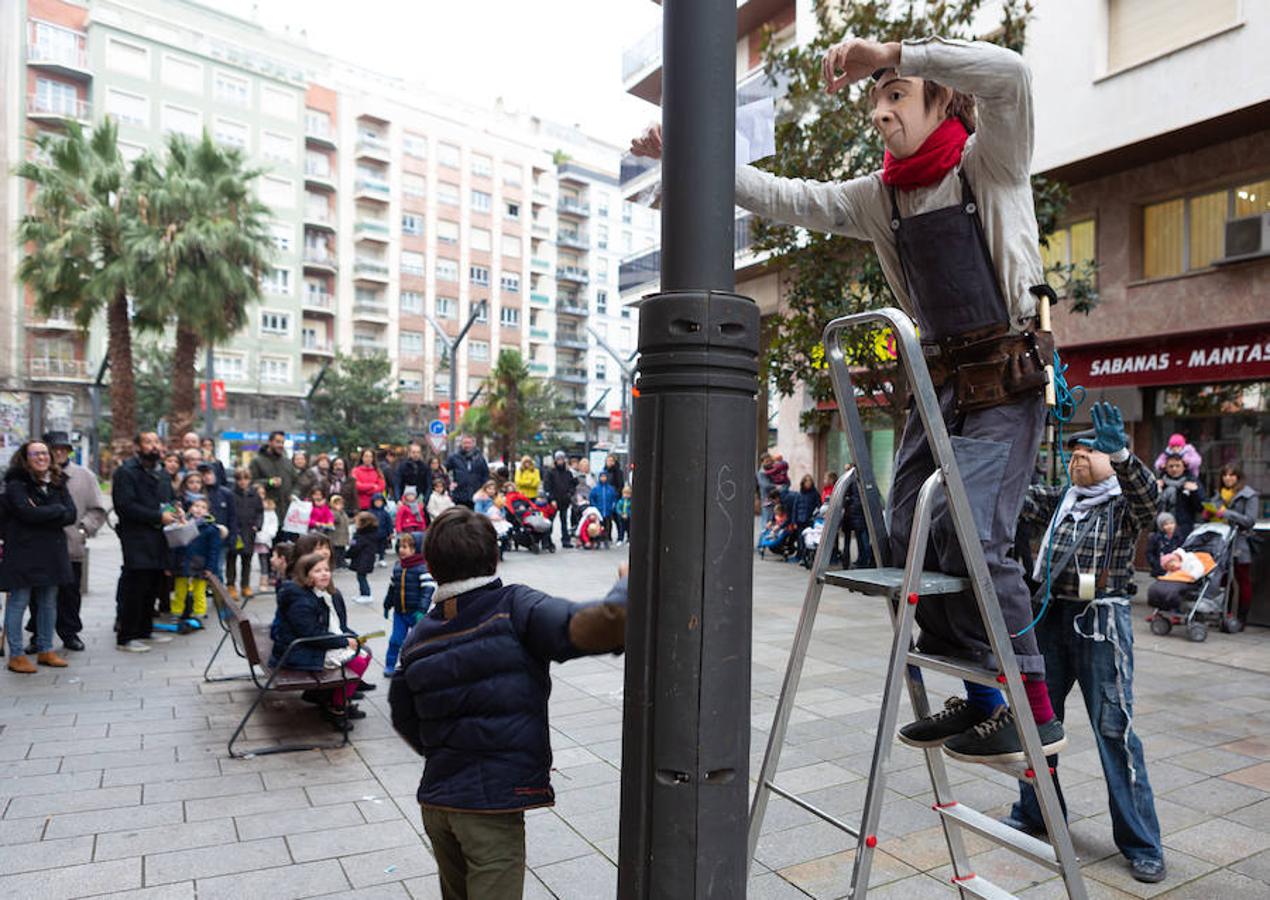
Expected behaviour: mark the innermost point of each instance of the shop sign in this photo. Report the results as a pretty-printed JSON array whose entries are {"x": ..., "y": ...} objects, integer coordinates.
[{"x": 1241, "y": 354}]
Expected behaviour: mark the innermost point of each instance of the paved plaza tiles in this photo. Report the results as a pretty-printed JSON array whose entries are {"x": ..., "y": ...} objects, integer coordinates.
[{"x": 114, "y": 778}]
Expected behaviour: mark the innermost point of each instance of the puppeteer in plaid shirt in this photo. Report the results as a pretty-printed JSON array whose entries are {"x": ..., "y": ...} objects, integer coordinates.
[{"x": 1130, "y": 512}]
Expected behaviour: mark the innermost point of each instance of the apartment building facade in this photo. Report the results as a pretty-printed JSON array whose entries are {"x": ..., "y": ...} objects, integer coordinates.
[
  {"x": 1156, "y": 123},
  {"x": 397, "y": 213}
]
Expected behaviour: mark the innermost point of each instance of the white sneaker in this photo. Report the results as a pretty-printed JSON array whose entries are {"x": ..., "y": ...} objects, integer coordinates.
[
  {"x": 364, "y": 600},
  {"x": 383, "y": 564},
  {"x": 133, "y": 647},
  {"x": 158, "y": 639}
]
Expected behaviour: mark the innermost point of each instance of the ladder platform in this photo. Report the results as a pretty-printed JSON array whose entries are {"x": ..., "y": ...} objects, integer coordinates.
[
  {"x": 886, "y": 582},
  {"x": 958, "y": 668},
  {"x": 985, "y": 826},
  {"x": 982, "y": 887}
]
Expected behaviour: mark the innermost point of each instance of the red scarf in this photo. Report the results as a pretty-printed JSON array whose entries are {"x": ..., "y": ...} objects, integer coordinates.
[{"x": 936, "y": 157}]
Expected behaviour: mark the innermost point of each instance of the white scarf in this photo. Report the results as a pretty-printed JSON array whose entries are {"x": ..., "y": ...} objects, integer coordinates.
[
  {"x": 454, "y": 588},
  {"x": 1078, "y": 502}
]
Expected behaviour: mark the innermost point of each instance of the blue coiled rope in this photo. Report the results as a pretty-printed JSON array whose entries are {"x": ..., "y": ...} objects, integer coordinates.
[{"x": 1067, "y": 399}]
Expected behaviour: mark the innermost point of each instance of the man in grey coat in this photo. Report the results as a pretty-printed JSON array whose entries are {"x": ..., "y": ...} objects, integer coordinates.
[{"x": 90, "y": 505}]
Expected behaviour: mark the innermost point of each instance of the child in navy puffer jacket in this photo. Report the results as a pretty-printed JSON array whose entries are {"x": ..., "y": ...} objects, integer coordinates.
[
  {"x": 379, "y": 506},
  {"x": 409, "y": 593}
]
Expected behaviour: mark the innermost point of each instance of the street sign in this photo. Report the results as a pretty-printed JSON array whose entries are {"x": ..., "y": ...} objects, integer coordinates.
[
  {"x": 220, "y": 401},
  {"x": 436, "y": 426},
  {"x": 444, "y": 412},
  {"x": 437, "y": 442},
  {"x": 615, "y": 420}
]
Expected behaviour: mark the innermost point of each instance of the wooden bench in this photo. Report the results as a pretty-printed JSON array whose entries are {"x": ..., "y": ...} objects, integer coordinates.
[{"x": 252, "y": 642}]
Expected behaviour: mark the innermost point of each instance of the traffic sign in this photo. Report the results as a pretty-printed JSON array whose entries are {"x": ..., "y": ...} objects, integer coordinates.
[
  {"x": 437, "y": 442},
  {"x": 436, "y": 426},
  {"x": 615, "y": 420}
]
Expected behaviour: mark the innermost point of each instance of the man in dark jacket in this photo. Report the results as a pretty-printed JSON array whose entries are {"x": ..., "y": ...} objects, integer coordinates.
[
  {"x": 142, "y": 497},
  {"x": 271, "y": 469},
  {"x": 470, "y": 696},
  {"x": 413, "y": 472},
  {"x": 560, "y": 485},
  {"x": 468, "y": 470}
]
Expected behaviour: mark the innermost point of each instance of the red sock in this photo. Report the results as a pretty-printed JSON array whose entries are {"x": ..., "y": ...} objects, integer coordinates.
[{"x": 1038, "y": 697}]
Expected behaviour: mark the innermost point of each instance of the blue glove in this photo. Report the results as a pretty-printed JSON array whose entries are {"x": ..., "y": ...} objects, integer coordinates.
[{"x": 1109, "y": 433}]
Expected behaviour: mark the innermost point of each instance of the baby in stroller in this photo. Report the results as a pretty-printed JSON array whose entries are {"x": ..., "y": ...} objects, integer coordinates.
[
  {"x": 530, "y": 523},
  {"x": 1195, "y": 588},
  {"x": 780, "y": 536},
  {"x": 809, "y": 540}
]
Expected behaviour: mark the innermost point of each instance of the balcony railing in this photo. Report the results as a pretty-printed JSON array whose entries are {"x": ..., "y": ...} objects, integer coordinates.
[
  {"x": 319, "y": 132},
  {"x": 539, "y": 334},
  {"x": 540, "y": 230},
  {"x": 573, "y": 273},
  {"x": 368, "y": 228},
  {"x": 72, "y": 54},
  {"x": 372, "y": 146},
  {"x": 540, "y": 265},
  {"x": 58, "y": 105},
  {"x": 58, "y": 367},
  {"x": 642, "y": 54},
  {"x": 540, "y": 299},
  {"x": 319, "y": 174},
  {"x": 372, "y": 186},
  {"x": 319, "y": 300},
  {"x": 364, "y": 268},
  {"x": 539, "y": 368},
  {"x": 316, "y": 256},
  {"x": 51, "y": 323},
  {"x": 571, "y": 374},
  {"x": 364, "y": 308},
  {"x": 576, "y": 207},
  {"x": 573, "y": 239},
  {"x": 313, "y": 345},
  {"x": 320, "y": 218},
  {"x": 571, "y": 339},
  {"x": 575, "y": 307}
]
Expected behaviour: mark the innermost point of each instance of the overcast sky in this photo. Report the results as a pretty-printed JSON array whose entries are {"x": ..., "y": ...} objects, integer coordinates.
[{"x": 559, "y": 59}]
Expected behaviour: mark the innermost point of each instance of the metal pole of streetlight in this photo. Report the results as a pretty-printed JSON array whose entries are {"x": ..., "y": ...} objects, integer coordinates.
[
  {"x": 628, "y": 378},
  {"x": 453, "y": 348},
  {"x": 307, "y": 405},
  {"x": 686, "y": 720},
  {"x": 94, "y": 398},
  {"x": 586, "y": 424},
  {"x": 210, "y": 369}
]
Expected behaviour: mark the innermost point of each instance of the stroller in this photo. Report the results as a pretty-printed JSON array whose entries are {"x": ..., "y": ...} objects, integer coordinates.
[
  {"x": 811, "y": 536},
  {"x": 1208, "y": 600},
  {"x": 530, "y": 523}
]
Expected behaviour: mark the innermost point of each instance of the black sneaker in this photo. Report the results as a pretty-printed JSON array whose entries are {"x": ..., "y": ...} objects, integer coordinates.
[
  {"x": 1035, "y": 830},
  {"x": 997, "y": 740},
  {"x": 956, "y": 716},
  {"x": 1147, "y": 870}
]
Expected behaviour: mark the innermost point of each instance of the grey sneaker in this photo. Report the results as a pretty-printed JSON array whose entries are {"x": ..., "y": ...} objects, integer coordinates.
[
  {"x": 133, "y": 647},
  {"x": 1147, "y": 870},
  {"x": 956, "y": 716},
  {"x": 997, "y": 740}
]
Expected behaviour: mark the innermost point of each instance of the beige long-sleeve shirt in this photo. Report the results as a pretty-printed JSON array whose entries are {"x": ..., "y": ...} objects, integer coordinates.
[{"x": 997, "y": 159}]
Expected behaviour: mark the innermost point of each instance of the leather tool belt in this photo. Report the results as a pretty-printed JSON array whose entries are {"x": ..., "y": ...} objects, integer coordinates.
[{"x": 990, "y": 367}]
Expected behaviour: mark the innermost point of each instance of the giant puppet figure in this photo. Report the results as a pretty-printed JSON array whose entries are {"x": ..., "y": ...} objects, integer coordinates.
[{"x": 952, "y": 220}]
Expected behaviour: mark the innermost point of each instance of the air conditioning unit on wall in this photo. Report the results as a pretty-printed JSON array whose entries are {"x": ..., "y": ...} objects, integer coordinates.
[{"x": 1247, "y": 238}]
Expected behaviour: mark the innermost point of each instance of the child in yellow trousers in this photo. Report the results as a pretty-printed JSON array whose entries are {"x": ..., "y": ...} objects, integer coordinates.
[{"x": 194, "y": 559}]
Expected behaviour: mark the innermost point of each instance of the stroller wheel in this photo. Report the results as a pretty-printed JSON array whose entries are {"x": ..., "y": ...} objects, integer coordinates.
[
  {"x": 1197, "y": 632},
  {"x": 1160, "y": 625},
  {"x": 1231, "y": 625}
]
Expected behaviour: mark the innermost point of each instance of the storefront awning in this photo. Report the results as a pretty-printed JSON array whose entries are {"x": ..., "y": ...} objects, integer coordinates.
[{"x": 1206, "y": 357}]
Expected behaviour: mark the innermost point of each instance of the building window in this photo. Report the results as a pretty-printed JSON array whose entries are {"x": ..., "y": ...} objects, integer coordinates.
[
  {"x": 410, "y": 382},
  {"x": 276, "y": 323},
  {"x": 602, "y": 205},
  {"x": 447, "y": 308},
  {"x": 510, "y": 282},
  {"x": 1138, "y": 30},
  {"x": 628, "y": 242},
  {"x": 478, "y": 274},
  {"x": 447, "y": 193},
  {"x": 509, "y": 317},
  {"x": 602, "y": 270},
  {"x": 230, "y": 367},
  {"x": 480, "y": 201},
  {"x": 448, "y": 155},
  {"x": 277, "y": 191},
  {"x": 317, "y": 122},
  {"x": 478, "y": 350},
  {"x": 510, "y": 245},
  {"x": 447, "y": 270},
  {"x": 411, "y": 343},
  {"x": 1189, "y": 233},
  {"x": 283, "y": 235},
  {"x": 275, "y": 370},
  {"x": 479, "y": 238},
  {"x": 601, "y": 370},
  {"x": 602, "y": 302},
  {"x": 414, "y": 145},
  {"x": 447, "y": 231},
  {"x": 602, "y": 237},
  {"x": 279, "y": 103},
  {"x": 231, "y": 89},
  {"x": 482, "y": 165},
  {"x": 626, "y": 212},
  {"x": 512, "y": 174},
  {"x": 229, "y": 133},
  {"x": 1073, "y": 245},
  {"x": 183, "y": 74},
  {"x": 133, "y": 109},
  {"x": 412, "y": 263},
  {"x": 411, "y": 302},
  {"x": 131, "y": 58},
  {"x": 511, "y": 210},
  {"x": 626, "y": 312},
  {"x": 277, "y": 281},
  {"x": 281, "y": 147},
  {"x": 411, "y": 223},
  {"x": 413, "y": 185}
]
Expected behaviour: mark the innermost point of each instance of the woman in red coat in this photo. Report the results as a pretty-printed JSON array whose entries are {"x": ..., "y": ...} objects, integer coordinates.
[{"x": 370, "y": 481}]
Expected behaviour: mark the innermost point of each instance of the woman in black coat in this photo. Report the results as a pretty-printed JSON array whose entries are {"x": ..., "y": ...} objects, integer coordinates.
[
  {"x": 37, "y": 507},
  {"x": 616, "y": 478}
]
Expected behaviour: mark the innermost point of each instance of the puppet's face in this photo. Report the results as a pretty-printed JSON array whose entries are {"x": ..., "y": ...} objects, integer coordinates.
[
  {"x": 1088, "y": 466},
  {"x": 901, "y": 115},
  {"x": 1174, "y": 467}
]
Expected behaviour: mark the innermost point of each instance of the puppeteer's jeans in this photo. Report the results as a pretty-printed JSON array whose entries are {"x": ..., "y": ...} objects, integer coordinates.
[
  {"x": 1071, "y": 659},
  {"x": 996, "y": 452}
]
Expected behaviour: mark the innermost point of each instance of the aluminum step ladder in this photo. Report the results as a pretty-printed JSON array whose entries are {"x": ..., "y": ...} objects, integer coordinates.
[{"x": 904, "y": 587}]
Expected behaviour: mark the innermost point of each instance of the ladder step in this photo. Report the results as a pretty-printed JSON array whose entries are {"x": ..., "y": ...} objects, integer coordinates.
[
  {"x": 955, "y": 667},
  {"x": 814, "y": 810},
  {"x": 886, "y": 582},
  {"x": 1023, "y": 844},
  {"x": 982, "y": 887}
]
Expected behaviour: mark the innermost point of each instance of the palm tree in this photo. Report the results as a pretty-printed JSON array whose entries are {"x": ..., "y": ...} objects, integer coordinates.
[
  {"x": 517, "y": 406},
  {"x": 201, "y": 251},
  {"x": 77, "y": 261}
]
